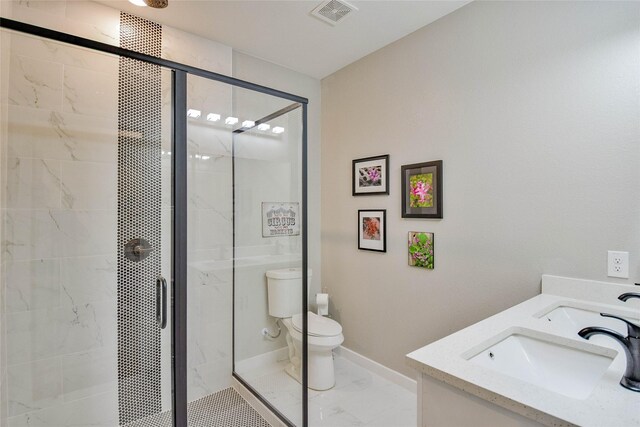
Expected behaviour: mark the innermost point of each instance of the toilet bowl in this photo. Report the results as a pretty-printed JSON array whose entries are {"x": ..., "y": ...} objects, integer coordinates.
[
  {"x": 323, "y": 336},
  {"x": 284, "y": 289}
]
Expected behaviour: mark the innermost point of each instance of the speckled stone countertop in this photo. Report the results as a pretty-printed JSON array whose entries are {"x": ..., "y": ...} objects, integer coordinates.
[{"x": 609, "y": 404}]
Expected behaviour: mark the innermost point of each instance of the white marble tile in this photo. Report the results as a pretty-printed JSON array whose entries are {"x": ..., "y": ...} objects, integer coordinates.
[
  {"x": 89, "y": 185},
  {"x": 48, "y": 50},
  {"x": 35, "y": 83},
  {"x": 31, "y": 335},
  {"x": 93, "y": 21},
  {"x": 32, "y": 183},
  {"x": 30, "y": 234},
  {"x": 48, "y": 14},
  {"x": 45, "y": 134},
  {"x": 90, "y": 92},
  {"x": 89, "y": 373},
  {"x": 210, "y": 228},
  {"x": 96, "y": 411},
  {"x": 88, "y": 279},
  {"x": 197, "y": 51},
  {"x": 31, "y": 285},
  {"x": 86, "y": 327},
  {"x": 360, "y": 397},
  {"x": 212, "y": 141},
  {"x": 34, "y": 385},
  {"x": 46, "y": 333},
  {"x": 211, "y": 190},
  {"x": 53, "y": 7},
  {"x": 86, "y": 233},
  {"x": 206, "y": 379}
]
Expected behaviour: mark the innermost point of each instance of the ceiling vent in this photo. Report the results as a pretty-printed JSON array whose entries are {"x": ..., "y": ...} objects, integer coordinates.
[{"x": 333, "y": 11}]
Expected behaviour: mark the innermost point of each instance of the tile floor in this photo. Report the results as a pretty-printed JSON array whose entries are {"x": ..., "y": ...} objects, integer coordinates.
[
  {"x": 359, "y": 398},
  {"x": 224, "y": 408}
]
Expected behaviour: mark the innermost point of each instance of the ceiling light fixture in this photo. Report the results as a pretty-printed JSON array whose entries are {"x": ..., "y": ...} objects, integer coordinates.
[
  {"x": 157, "y": 4},
  {"x": 194, "y": 114},
  {"x": 277, "y": 129},
  {"x": 212, "y": 117},
  {"x": 231, "y": 120},
  {"x": 140, "y": 3},
  {"x": 247, "y": 124},
  {"x": 264, "y": 126}
]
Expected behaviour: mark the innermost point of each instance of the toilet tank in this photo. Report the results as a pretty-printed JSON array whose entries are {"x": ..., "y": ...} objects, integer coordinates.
[{"x": 284, "y": 290}]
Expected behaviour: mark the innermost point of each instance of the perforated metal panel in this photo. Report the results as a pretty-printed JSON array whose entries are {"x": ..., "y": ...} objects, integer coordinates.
[
  {"x": 225, "y": 408},
  {"x": 139, "y": 204}
]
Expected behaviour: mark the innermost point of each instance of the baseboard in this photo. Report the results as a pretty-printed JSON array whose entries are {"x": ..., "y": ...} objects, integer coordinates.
[
  {"x": 261, "y": 360},
  {"x": 260, "y": 408},
  {"x": 373, "y": 366}
]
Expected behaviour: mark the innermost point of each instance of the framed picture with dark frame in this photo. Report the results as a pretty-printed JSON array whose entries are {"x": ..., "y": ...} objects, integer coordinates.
[
  {"x": 372, "y": 230},
  {"x": 370, "y": 176},
  {"x": 422, "y": 190}
]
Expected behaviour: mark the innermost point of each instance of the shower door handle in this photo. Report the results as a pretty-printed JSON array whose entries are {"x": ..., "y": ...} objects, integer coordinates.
[{"x": 161, "y": 302}]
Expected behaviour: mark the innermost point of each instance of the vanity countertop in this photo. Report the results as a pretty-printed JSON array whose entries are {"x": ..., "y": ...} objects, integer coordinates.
[{"x": 608, "y": 405}]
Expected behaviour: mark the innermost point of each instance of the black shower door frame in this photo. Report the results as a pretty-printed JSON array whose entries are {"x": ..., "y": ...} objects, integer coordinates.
[{"x": 179, "y": 74}]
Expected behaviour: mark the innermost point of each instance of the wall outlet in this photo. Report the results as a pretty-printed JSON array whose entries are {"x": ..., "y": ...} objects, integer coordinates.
[{"x": 618, "y": 264}]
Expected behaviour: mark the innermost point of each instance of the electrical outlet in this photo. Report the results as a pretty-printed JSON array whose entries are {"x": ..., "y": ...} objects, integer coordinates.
[{"x": 618, "y": 264}]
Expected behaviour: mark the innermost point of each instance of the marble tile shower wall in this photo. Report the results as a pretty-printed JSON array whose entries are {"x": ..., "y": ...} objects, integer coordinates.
[
  {"x": 59, "y": 220},
  {"x": 59, "y": 240}
]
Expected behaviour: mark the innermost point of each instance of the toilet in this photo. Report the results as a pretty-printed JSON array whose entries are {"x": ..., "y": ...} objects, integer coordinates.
[{"x": 284, "y": 290}]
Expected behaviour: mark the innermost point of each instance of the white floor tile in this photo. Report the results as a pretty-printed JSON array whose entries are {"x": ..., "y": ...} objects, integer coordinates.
[{"x": 359, "y": 398}]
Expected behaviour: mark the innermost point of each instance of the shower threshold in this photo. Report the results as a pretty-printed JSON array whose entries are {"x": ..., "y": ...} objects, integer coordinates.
[{"x": 224, "y": 408}]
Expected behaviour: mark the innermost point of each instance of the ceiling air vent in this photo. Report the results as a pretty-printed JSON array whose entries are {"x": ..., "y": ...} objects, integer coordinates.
[{"x": 333, "y": 11}]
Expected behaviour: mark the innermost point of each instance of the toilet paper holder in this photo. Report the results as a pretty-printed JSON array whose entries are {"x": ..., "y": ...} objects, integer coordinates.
[{"x": 322, "y": 304}]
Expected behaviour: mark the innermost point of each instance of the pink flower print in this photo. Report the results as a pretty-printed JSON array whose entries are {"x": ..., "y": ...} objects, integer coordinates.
[
  {"x": 374, "y": 175},
  {"x": 421, "y": 189}
]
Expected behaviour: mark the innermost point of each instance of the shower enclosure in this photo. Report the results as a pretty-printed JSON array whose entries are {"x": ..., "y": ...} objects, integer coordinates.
[{"x": 136, "y": 196}]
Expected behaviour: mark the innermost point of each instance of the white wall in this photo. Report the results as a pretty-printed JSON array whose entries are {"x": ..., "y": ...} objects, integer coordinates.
[{"x": 534, "y": 108}]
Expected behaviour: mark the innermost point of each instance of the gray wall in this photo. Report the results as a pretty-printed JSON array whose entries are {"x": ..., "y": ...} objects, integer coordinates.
[{"x": 534, "y": 108}]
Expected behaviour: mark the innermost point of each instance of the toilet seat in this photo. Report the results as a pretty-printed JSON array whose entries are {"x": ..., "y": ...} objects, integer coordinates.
[{"x": 318, "y": 326}]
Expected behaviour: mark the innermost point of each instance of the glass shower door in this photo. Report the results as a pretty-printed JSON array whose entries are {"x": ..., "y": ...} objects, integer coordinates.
[
  {"x": 86, "y": 236},
  {"x": 244, "y": 159}
]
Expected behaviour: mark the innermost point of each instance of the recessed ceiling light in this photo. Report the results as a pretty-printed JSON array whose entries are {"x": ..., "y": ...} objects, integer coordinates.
[
  {"x": 231, "y": 120},
  {"x": 194, "y": 114},
  {"x": 138, "y": 3},
  {"x": 264, "y": 126},
  {"x": 248, "y": 124},
  {"x": 277, "y": 129},
  {"x": 213, "y": 117}
]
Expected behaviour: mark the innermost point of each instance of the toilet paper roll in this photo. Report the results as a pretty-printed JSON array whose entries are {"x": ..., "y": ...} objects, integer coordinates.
[{"x": 322, "y": 301}]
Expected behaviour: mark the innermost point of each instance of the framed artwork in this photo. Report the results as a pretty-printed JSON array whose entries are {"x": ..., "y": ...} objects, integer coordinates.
[
  {"x": 370, "y": 176},
  {"x": 422, "y": 190},
  {"x": 280, "y": 219},
  {"x": 372, "y": 230},
  {"x": 421, "y": 249}
]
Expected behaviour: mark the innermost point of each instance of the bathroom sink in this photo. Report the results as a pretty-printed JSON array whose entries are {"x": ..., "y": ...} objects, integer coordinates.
[
  {"x": 567, "y": 370},
  {"x": 569, "y": 320}
]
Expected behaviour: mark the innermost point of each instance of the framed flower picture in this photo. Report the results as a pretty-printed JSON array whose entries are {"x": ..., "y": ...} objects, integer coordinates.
[
  {"x": 372, "y": 230},
  {"x": 422, "y": 190},
  {"x": 421, "y": 249},
  {"x": 370, "y": 176}
]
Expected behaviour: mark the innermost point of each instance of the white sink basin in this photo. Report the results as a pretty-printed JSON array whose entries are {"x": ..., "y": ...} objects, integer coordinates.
[
  {"x": 569, "y": 320},
  {"x": 570, "y": 371}
]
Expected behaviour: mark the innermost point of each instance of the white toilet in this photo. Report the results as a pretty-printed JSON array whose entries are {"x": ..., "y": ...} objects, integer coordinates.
[{"x": 284, "y": 289}]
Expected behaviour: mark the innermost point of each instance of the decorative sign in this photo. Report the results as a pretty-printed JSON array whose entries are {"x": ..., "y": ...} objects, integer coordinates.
[{"x": 280, "y": 219}]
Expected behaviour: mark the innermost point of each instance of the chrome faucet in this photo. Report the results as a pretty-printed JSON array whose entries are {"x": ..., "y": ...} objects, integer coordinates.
[{"x": 630, "y": 344}]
